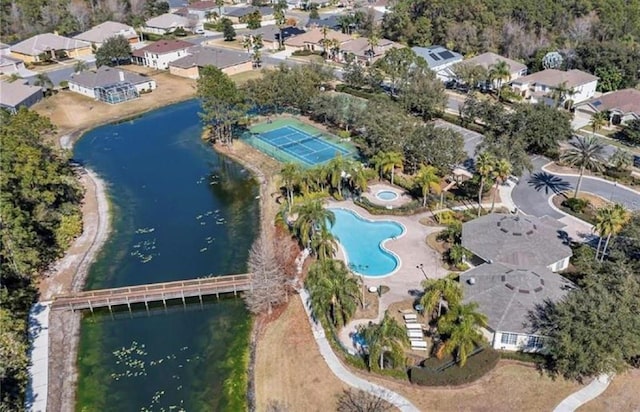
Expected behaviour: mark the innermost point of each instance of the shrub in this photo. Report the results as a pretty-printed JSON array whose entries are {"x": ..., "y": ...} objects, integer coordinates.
[
  {"x": 575, "y": 204},
  {"x": 306, "y": 52},
  {"x": 536, "y": 358},
  {"x": 364, "y": 94},
  {"x": 64, "y": 84},
  {"x": 477, "y": 366},
  {"x": 618, "y": 174},
  {"x": 410, "y": 208}
]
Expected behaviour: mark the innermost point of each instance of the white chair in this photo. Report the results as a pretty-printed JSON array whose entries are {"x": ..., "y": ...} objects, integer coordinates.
[
  {"x": 415, "y": 334},
  {"x": 413, "y": 326},
  {"x": 410, "y": 316},
  {"x": 418, "y": 344}
]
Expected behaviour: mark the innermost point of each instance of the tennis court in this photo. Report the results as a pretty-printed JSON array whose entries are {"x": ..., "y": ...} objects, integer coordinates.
[{"x": 293, "y": 143}]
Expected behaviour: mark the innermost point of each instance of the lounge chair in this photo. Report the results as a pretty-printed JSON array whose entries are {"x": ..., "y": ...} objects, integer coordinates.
[
  {"x": 410, "y": 316},
  {"x": 413, "y": 326},
  {"x": 415, "y": 334}
]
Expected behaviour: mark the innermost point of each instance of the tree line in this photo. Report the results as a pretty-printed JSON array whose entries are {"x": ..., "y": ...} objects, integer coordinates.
[{"x": 39, "y": 218}]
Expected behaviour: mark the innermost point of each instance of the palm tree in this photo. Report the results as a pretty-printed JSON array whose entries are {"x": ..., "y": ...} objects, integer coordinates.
[
  {"x": 312, "y": 217},
  {"x": 461, "y": 326},
  {"x": 621, "y": 159},
  {"x": 586, "y": 153},
  {"x": 437, "y": 290},
  {"x": 45, "y": 82},
  {"x": 335, "y": 292},
  {"x": 561, "y": 92},
  {"x": 387, "y": 162},
  {"x": 335, "y": 49},
  {"x": 500, "y": 72},
  {"x": 357, "y": 177},
  {"x": 211, "y": 15},
  {"x": 389, "y": 338},
  {"x": 428, "y": 180},
  {"x": 280, "y": 18},
  {"x": 484, "y": 166},
  {"x": 290, "y": 175},
  {"x": 220, "y": 4},
  {"x": 247, "y": 43},
  {"x": 598, "y": 121},
  {"x": 373, "y": 41},
  {"x": 501, "y": 172},
  {"x": 336, "y": 172},
  {"x": 80, "y": 66},
  {"x": 324, "y": 244},
  {"x": 609, "y": 221}
]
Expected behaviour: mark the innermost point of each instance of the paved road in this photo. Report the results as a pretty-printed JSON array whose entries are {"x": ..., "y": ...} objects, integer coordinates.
[{"x": 533, "y": 190}]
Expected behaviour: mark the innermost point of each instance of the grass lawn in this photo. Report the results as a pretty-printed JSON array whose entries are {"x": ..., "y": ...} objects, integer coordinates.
[
  {"x": 241, "y": 78},
  {"x": 589, "y": 213}
]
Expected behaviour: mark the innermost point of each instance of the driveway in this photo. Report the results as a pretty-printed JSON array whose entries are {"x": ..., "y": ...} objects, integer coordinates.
[{"x": 534, "y": 189}]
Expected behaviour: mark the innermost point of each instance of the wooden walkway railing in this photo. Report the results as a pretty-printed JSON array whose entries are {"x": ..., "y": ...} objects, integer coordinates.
[{"x": 154, "y": 292}]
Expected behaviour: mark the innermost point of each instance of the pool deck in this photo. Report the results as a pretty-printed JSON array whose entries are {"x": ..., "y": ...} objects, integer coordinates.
[
  {"x": 412, "y": 250},
  {"x": 403, "y": 196}
]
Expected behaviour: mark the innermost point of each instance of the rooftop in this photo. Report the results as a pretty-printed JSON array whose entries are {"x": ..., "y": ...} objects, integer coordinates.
[
  {"x": 167, "y": 21},
  {"x": 437, "y": 56},
  {"x": 625, "y": 101},
  {"x": 489, "y": 59},
  {"x": 106, "y": 76},
  {"x": 203, "y": 5},
  {"x": 209, "y": 56},
  {"x": 244, "y": 11},
  {"x": 269, "y": 32},
  {"x": 517, "y": 241},
  {"x": 554, "y": 77},
  {"x": 314, "y": 36},
  {"x": 163, "y": 46},
  {"x": 41, "y": 43},
  {"x": 16, "y": 92},
  {"x": 103, "y": 31},
  {"x": 507, "y": 296},
  {"x": 360, "y": 45}
]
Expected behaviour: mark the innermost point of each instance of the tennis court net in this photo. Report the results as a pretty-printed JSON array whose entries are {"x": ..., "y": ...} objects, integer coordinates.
[{"x": 298, "y": 142}]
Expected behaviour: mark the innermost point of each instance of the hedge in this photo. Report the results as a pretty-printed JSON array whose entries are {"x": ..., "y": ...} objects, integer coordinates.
[
  {"x": 363, "y": 94},
  {"x": 477, "y": 366},
  {"x": 536, "y": 358},
  {"x": 410, "y": 208}
]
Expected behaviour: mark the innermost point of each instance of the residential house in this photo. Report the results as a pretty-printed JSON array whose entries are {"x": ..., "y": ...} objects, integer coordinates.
[
  {"x": 229, "y": 61},
  {"x": 19, "y": 94},
  {"x": 5, "y": 49},
  {"x": 91, "y": 83},
  {"x": 621, "y": 105},
  {"x": 332, "y": 22},
  {"x": 239, "y": 14},
  {"x": 488, "y": 60},
  {"x": 9, "y": 65},
  {"x": 175, "y": 5},
  {"x": 34, "y": 49},
  {"x": 103, "y": 31},
  {"x": 168, "y": 23},
  {"x": 158, "y": 55},
  {"x": 271, "y": 35},
  {"x": 360, "y": 50},
  {"x": 203, "y": 10},
  {"x": 540, "y": 86},
  {"x": 439, "y": 59},
  {"x": 518, "y": 256},
  {"x": 313, "y": 40}
]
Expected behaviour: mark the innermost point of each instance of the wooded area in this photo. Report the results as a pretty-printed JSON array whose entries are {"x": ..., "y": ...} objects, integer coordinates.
[{"x": 39, "y": 217}]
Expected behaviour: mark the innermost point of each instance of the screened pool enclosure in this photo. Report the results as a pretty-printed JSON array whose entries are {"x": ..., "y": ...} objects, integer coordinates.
[{"x": 117, "y": 93}]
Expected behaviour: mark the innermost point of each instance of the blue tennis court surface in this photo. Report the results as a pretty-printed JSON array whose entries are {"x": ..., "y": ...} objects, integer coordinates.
[{"x": 307, "y": 148}]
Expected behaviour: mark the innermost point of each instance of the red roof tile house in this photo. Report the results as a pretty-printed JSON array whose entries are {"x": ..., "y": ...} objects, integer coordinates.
[{"x": 158, "y": 55}]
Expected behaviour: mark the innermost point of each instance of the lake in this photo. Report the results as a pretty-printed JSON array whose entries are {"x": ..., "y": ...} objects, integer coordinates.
[{"x": 180, "y": 211}]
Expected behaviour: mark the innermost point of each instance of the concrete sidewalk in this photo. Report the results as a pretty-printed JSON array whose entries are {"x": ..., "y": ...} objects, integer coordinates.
[
  {"x": 584, "y": 395},
  {"x": 36, "y": 399},
  {"x": 343, "y": 374}
]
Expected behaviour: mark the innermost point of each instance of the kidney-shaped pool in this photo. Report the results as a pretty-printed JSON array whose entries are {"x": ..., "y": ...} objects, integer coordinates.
[{"x": 363, "y": 243}]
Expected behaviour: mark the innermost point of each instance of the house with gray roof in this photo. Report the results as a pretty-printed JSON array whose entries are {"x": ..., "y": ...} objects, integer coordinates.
[
  {"x": 622, "y": 106},
  {"x": 439, "y": 59},
  {"x": 239, "y": 14},
  {"x": 271, "y": 35},
  {"x": 50, "y": 45},
  {"x": 168, "y": 23},
  {"x": 10, "y": 65},
  {"x": 520, "y": 255},
  {"x": 229, "y": 61},
  {"x": 19, "y": 93},
  {"x": 103, "y": 31},
  {"x": 93, "y": 83}
]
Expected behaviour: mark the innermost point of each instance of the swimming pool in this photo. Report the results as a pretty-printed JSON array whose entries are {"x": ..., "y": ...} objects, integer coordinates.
[{"x": 363, "y": 243}]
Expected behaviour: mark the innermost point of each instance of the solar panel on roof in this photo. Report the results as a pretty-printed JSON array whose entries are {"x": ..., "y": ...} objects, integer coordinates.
[
  {"x": 446, "y": 54},
  {"x": 597, "y": 103},
  {"x": 434, "y": 57}
]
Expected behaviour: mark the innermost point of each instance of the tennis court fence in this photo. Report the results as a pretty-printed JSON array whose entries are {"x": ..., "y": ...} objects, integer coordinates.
[{"x": 268, "y": 149}]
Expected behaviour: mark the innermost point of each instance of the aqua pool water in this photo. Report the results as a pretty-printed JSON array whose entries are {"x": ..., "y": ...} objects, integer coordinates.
[
  {"x": 387, "y": 195},
  {"x": 362, "y": 241}
]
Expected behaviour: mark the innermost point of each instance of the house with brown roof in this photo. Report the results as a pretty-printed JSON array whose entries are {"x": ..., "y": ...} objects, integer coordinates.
[
  {"x": 539, "y": 86},
  {"x": 621, "y": 105},
  {"x": 158, "y": 55},
  {"x": 240, "y": 14},
  {"x": 103, "y": 31},
  {"x": 313, "y": 40},
  {"x": 19, "y": 93},
  {"x": 51, "y": 45},
  {"x": 271, "y": 35},
  {"x": 488, "y": 60},
  {"x": 229, "y": 61},
  {"x": 361, "y": 51}
]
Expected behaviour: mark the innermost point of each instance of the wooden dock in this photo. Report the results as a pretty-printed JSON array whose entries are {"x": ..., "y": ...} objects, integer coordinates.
[{"x": 154, "y": 292}]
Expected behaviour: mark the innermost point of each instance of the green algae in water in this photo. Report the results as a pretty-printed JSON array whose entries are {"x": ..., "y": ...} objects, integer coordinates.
[{"x": 161, "y": 177}]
